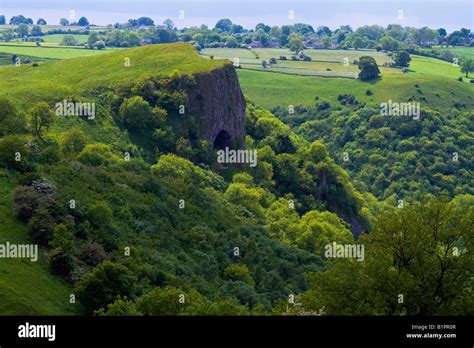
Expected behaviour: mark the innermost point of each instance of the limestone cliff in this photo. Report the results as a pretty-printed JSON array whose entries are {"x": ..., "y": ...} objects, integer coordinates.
[{"x": 219, "y": 105}]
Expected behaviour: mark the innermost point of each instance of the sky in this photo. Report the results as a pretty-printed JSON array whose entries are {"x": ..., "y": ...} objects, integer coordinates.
[{"x": 449, "y": 14}]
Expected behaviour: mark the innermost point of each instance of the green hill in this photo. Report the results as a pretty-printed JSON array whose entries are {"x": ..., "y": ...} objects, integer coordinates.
[{"x": 53, "y": 81}]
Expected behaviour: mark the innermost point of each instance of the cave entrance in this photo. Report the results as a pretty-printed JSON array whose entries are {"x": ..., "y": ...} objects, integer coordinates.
[{"x": 222, "y": 140}]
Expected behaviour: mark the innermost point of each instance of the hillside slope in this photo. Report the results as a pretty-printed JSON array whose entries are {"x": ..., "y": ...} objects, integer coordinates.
[
  {"x": 27, "y": 288},
  {"x": 55, "y": 80}
]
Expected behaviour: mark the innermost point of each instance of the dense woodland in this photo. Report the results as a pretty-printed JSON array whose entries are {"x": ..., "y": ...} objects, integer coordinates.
[
  {"x": 169, "y": 232},
  {"x": 393, "y": 157}
]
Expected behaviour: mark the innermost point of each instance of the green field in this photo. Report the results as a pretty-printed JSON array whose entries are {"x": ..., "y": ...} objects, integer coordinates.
[
  {"x": 298, "y": 82},
  {"x": 27, "y": 288},
  {"x": 325, "y": 63},
  {"x": 49, "y": 40},
  {"x": 51, "y": 81},
  {"x": 458, "y": 52},
  {"x": 50, "y": 52},
  {"x": 57, "y": 38},
  {"x": 436, "y": 81}
]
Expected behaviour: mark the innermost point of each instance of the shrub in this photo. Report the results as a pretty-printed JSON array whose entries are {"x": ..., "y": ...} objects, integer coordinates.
[
  {"x": 471, "y": 80},
  {"x": 137, "y": 114},
  {"x": 283, "y": 58},
  {"x": 307, "y": 58},
  {"x": 460, "y": 79},
  {"x": 41, "y": 226},
  {"x": 92, "y": 253},
  {"x": 102, "y": 285},
  {"x": 97, "y": 155},
  {"x": 35, "y": 64},
  {"x": 368, "y": 92},
  {"x": 294, "y": 58},
  {"x": 25, "y": 202},
  {"x": 273, "y": 61},
  {"x": 73, "y": 142},
  {"x": 61, "y": 262},
  {"x": 11, "y": 121},
  {"x": 14, "y": 153}
]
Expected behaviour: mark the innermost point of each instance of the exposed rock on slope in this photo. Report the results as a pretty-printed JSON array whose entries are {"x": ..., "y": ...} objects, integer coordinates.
[{"x": 217, "y": 100}]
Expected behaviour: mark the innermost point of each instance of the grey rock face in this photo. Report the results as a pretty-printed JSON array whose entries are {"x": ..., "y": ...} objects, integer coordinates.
[{"x": 218, "y": 103}]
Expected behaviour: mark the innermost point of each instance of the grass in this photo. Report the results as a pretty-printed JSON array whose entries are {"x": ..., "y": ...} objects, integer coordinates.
[
  {"x": 27, "y": 288},
  {"x": 53, "y": 81},
  {"x": 436, "y": 81},
  {"x": 50, "y": 52},
  {"x": 57, "y": 38},
  {"x": 325, "y": 63},
  {"x": 458, "y": 52}
]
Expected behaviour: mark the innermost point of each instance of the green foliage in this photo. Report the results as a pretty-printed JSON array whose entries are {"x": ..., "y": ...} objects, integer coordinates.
[
  {"x": 73, "y": 142},
  {"x": 41, "y": 118},
  {"x": 417, "y": 262},
  {"x": 368, "y": 68},
  {"x": 295, "y": 45},
  {"x": 11, "y": 120},
  {"x": 137, "y": 114},
  {"x": 395, "y": 155},
  {"x": 402, "y": 59},
  {"x": 104, "y": 283},
  {"x": 97, "y": 155},
  {"x": 239, "y": 272},
  {"x": 15, "y": 153},
  {"x": 467, "y": 66}
]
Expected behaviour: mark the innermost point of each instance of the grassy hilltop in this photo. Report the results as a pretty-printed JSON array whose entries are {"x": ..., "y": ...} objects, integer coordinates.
[{"x": 51, "y": 81}]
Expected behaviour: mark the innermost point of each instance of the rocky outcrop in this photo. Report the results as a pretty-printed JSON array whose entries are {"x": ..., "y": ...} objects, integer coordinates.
[{"x": 219, "y": 105}]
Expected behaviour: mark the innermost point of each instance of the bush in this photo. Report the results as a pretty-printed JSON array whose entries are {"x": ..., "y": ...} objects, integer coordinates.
[
  {"x": 92, "y": 253},
  {"x": 460, "y": 79},
  {"x": 307, "y": 58},
  {"x": 97, "y": 155},
  {"x": 62, "y": 263},
  {"x": 35, "y": 64},
  {"x": 73, "y": 142},
  {"x": 294, "y": 58},
  {"x": 14, "y": 153},
  {"x": 471, "y": 81},
  {"x": 11, "y": 120},
  {"x": 104, "y": 283},
  {"x": 41, "y": 226},
  {"x": 368, "y": 92},
  {"x": 25, "y": 202},
  {"x": 283, "y": 58},
  {"x": 273, "y": 61},
  {"x": 404, "y": 70}
]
